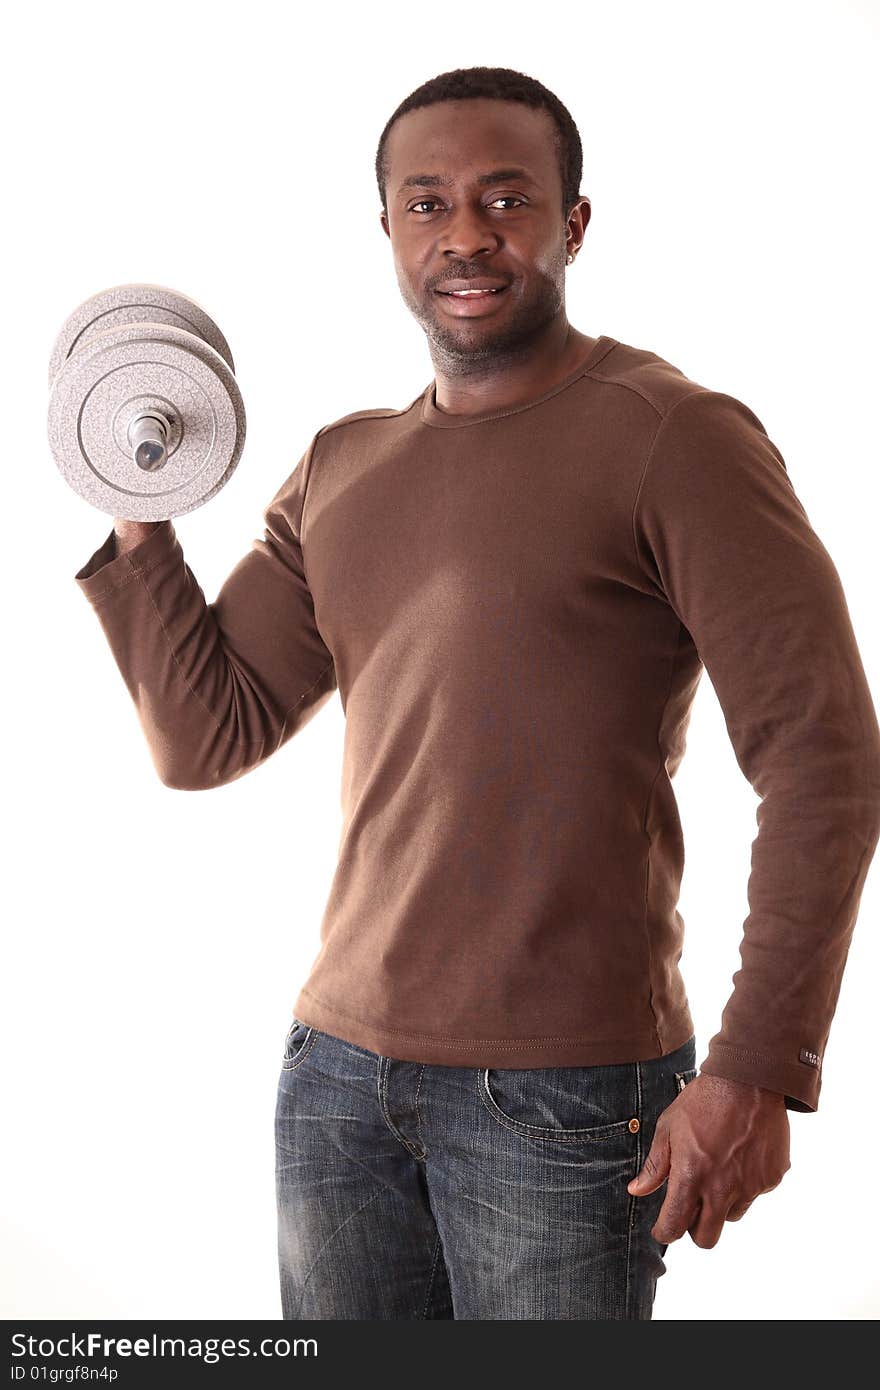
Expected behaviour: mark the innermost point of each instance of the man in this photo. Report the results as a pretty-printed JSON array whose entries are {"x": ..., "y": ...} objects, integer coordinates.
[{"x": 489, "y": 1104}]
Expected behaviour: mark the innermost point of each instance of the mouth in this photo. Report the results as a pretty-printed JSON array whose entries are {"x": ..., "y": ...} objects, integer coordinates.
[
  {"x": 475, "y": 285},
  {"x": 466, "y": 301}
]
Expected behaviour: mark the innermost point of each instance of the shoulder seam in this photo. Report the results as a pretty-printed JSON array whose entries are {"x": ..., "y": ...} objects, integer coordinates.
[
  {"x": 380, "y": 413},
  {"x": 645, "y": 396},
  {"x": 309, "y": 461},
  {"x": 685, "y": 396},
  {"x": 376, "y": 414}
]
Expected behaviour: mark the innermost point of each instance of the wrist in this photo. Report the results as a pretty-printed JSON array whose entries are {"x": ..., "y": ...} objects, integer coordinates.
[{"x": 128, "y": 534}]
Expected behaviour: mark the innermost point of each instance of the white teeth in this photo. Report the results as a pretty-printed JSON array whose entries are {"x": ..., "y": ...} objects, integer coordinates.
[{"x": 457, "y": 292}]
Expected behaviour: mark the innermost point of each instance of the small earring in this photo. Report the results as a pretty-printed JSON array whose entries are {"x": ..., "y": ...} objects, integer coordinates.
[{"x": 569, "y": 258}]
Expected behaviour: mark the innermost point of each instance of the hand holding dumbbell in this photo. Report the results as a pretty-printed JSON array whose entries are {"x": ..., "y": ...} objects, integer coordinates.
[{"x": 131, "y": 533}]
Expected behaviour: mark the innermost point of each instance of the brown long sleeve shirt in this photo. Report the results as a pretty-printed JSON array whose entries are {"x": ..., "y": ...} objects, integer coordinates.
[{"x": 516, "y": 608}]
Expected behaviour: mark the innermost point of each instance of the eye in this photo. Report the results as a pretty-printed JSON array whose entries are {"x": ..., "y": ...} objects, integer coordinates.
[{"x": 432, "y": 202}]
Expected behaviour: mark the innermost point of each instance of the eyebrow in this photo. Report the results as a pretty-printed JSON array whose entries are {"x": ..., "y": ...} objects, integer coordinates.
[{"x": 494, "y": 176}]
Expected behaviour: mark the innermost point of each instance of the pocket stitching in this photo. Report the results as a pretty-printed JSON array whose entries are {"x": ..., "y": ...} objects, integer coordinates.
[
  {"x": 308, "y": 1043},
  {"x": 594, "y": 1134},
  {"x": 682, "y": 1078}
]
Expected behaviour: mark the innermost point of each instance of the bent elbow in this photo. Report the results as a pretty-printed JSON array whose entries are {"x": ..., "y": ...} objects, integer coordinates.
[
  {"x": 178, "y": 782},
  {"x": 206, "y": 774},
  {"x": 193, "y": 778}
]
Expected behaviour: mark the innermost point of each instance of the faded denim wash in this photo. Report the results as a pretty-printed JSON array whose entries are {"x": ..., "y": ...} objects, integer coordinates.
[{"x": 407, "y": 1190}]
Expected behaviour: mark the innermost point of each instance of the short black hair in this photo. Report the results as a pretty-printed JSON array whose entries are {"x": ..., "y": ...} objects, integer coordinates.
[{"x": 507, "y": 85}]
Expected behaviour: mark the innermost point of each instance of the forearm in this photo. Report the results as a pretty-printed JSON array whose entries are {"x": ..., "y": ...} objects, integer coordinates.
[
  {"x": 169, "y": 651},
  {"x": 217, "y": 687}
]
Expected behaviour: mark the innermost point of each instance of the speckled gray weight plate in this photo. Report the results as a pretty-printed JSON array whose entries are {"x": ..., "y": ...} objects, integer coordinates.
[
  {"x": 137, "y": 303},
  {"x": 118, "y": 373}
]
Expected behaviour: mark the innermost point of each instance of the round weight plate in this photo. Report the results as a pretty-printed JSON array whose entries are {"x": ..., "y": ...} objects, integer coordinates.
[
  {"x": 124, "y": 372},
  {"x": 134, "y": 304}
]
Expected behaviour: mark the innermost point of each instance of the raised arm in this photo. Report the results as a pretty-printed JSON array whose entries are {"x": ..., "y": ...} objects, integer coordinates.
[{"x": 217, "y": 687}]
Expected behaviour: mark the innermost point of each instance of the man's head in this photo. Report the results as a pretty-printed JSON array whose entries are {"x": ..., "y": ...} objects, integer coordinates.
[{"x": 478, "y": 173}]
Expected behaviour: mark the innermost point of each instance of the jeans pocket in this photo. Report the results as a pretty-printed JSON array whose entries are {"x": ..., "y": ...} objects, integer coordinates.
[
  {"x": 300, "y": 1040},
  {"x": 683, "y": 1077},
  {"x": 565, "y": 1105}
]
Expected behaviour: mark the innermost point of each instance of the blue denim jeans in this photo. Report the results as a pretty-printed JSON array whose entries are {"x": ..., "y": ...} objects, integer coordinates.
[{"x": 408, "y": 1190}]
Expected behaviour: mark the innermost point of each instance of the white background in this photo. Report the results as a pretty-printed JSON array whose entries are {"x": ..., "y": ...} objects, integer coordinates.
[{"x": 155, "y": 940}]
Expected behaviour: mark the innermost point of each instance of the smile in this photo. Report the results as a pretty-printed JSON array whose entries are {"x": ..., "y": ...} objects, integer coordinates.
[
  {"x": 473, "y": 303},
  {"x": 467, "y": 294}
]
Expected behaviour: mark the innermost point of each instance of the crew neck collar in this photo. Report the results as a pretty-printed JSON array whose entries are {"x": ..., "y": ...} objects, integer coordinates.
[{"x": 443, "y": 419}]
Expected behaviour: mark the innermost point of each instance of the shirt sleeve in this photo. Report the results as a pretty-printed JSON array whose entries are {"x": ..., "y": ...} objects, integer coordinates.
[
  {"x": 217, "y": 687},
  {"x": 722, "y": 537}
]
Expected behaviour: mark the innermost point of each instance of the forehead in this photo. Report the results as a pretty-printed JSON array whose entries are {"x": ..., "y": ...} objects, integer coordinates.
[{"x": 459, "y": 139}]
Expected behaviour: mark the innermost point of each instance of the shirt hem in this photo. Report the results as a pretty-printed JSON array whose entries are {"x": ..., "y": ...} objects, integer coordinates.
[{"x": 540, "y": 1051}]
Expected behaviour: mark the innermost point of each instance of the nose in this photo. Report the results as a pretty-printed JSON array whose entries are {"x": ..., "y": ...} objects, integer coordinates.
[{"x": 468, "y": 233}]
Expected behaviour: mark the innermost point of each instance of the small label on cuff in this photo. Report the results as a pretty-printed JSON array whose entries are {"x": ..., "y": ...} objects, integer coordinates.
[{"x": 811, "y": 1058}]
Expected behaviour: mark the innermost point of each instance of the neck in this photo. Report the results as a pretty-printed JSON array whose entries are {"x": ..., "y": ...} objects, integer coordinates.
[{"x": 466, "y": 386}]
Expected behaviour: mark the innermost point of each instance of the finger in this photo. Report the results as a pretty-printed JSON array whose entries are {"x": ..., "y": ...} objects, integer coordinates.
[
  {"x": 681, "y": 1206},
  {"x": 655, "y": 1169},
  {"x": 738, "y": 1211},
  {"x": 705, "y": 1230}
]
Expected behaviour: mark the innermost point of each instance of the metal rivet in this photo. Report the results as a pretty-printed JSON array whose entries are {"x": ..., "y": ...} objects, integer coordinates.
[{"x": 634, "y": 1126}]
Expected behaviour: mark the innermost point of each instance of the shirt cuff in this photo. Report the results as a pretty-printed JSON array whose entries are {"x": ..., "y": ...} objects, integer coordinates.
[
  {"x": 105, "y": 572},
  {"x": 798, "y": 1083}
]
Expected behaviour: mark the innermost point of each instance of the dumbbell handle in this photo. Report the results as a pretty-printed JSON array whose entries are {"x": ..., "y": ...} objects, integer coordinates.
[{"x": 148, "y": 437}]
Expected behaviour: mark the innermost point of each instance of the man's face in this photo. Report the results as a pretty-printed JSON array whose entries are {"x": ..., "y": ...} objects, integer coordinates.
[{"x": 509, "y": 229}]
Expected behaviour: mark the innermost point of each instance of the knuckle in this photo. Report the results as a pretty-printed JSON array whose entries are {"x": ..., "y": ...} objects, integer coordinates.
[
  {"x": 721, "y": 1190},
  {"x": 769, "y": 1188}
]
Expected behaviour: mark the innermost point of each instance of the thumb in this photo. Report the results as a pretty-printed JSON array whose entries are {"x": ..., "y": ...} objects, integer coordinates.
[{"x": 655, "y": 1169}]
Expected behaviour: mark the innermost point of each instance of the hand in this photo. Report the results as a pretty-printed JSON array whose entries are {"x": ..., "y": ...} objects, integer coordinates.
[
  {"x": 131, "y": 533},
  {"x": 721, "y": 1143}
]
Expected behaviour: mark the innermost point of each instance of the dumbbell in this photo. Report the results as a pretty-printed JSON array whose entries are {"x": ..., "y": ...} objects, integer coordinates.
[{"x": 146, "y": 419}]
